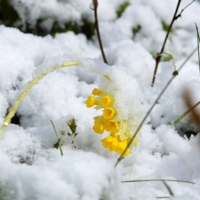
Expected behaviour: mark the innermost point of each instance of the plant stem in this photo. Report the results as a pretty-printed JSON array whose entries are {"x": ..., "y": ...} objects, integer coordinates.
[
  {"x": 61, "y": 152},
  {"x": 157, "y": 180},
  {"x": 95, "y": 3},
  {"x": 179, "y": 15},
  {"x": 168, "y": 188},
  {"x": 151, "y": 108},
  {"x": 198, "y": 40},
  {"x": 164, "y": 43}
]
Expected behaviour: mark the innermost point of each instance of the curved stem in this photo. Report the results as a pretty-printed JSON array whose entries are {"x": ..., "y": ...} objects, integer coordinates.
[{"x": 15, "y": 106}]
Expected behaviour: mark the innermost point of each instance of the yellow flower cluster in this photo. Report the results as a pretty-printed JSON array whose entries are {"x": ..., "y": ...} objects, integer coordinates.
[{"x": 119, "y": 135}]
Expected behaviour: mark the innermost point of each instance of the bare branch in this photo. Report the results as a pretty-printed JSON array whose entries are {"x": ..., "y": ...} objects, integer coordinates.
[
  {"x": 95, "y": 4},
  {"x": 179, "y": 15},
  {"x": 175, "y": 17},
  {"x": 158, "y": 58}
]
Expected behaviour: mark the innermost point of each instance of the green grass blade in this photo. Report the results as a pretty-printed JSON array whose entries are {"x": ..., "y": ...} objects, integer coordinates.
[
  {"x": 185, "y": 113},
  {"x": 198, "y": 40},
  {"x": 61, "y": 152},
  {"x": 15, "y": 106},
  {"x": 158, "y": 180},
  {"x": 168, "y": 188}
]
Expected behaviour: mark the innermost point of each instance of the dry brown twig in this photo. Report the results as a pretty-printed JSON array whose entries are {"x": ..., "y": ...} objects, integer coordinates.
[
  {"x": 195, "y": 115},
  {"x": 96, "y": 24},
  {"x": 159, "y": 55}
]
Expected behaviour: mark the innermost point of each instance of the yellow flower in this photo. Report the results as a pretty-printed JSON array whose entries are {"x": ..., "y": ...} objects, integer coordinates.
[
  {"x": 108, "y": 113},
  {"x": 111, "y": 126},
  {"x": 110, "y": 142},
  {"x": 120, "y": 133},
  {"x": 96, "y": 91},
  {"x": 91, "y": 101},
  {"x": 122, "y": 146},
  {"x": 113, "y": 144},
  {"x": 106, "y": 101},
  {"x": 98, "y": 125}
]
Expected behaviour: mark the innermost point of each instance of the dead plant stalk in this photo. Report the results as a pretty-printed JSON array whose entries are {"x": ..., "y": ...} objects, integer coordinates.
[
  {"x": 95, "y": 3},
  {"x": 158, "y": 58}
]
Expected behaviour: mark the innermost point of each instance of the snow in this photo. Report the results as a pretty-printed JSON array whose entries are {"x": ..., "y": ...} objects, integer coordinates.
[{"x": 30, "y": 165}]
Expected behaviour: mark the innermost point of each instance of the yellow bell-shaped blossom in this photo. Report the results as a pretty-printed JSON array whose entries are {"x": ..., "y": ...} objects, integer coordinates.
[
  {"x": 119, "y": 133},
  {"x": 110, "y": 142},
  {"x": 96, "y": 91},
  {"x": 106, "y": 101},
  {"x": 91, "y": 101},
  {"x": 122, "y": 146},
  {"x": 98, "y": 125},
  {"x": 113, "y": 144},
  {"x": 111, "y": 126},
  {"x": 108, "y": 113}
]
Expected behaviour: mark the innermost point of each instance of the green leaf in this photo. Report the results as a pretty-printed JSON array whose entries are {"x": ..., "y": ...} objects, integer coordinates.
[
  {"x": 136, "y": 30},
  {"x": 57, "y": 144},
  {"x": 122, "y": 8},
  {"x": 72, "y": 125}
]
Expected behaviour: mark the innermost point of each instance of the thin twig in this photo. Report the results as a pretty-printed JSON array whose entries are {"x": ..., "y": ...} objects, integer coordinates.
[
  {"x": 158, "y": 58},
  {"x": 179, "y": 15},
  {"x": 151, "y": 108},
  {"x": 95, "y": 3},
  {"x": 159, "y": 55}
]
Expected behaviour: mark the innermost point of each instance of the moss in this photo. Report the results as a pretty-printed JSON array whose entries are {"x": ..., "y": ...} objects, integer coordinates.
[
  {"x": 122, "y": 8},
  {"x": 10, "y": 17},
  {"x": 85, "y": 27},
  {"x": 8, "y": 14},
  {"x": 70, "y": 26},
  {"x": 136, "y": 29}
]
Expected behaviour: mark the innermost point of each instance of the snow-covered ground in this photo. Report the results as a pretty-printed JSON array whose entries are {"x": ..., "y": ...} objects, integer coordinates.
[{"x": 31, "y": 168}]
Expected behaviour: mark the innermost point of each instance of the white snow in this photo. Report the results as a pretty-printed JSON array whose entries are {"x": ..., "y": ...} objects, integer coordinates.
[{"x": 31, "y": 168}]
